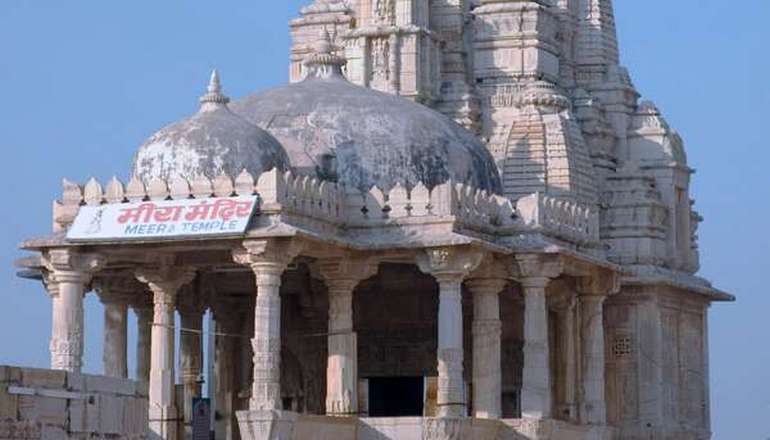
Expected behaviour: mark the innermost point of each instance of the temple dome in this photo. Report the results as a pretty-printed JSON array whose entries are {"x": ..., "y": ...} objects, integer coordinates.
[
  {"x": 336, "y": 130},
  {"x": 213, "y": 141}
]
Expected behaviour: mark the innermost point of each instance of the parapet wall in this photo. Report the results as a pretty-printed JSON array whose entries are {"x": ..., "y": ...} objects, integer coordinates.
[
  {"x": 329, "y": 203},
  {"x": 50, "y": 404}
]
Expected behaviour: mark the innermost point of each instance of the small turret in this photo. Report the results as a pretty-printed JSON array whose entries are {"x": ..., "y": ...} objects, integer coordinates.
[{"x": 322, "y": 62}]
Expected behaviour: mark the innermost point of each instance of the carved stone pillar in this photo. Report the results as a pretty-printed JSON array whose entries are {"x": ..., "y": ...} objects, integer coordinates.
[
  {"x": 594, "y": 291},
  {"x": 69, "y": 273},
  {"x": 191, "y": 309},
  {"x": 536, "y": 376},
  {"x": 223, "y": 382},
  {"x": 567, "y": 348},
  {"x": 164, "y": 284},
  {"x": 115, "y": 292},
  {"x": 143, "y": 311},
  {"x": 451, "y": 388},
  {"x": 114, "y": 356},
  {"x": 593, "y": 409},
  {"x": 535, "y": 272},
  {"x": 268, "y": 259},
  {"x": 449, "y": 266},
  {"x": 487, "y": 329},
  {"x": 342, "y": 275}
]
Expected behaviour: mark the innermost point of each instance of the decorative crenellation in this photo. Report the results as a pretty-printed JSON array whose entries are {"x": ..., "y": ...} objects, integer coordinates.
[
  {"x": 567, "y": 219},
  {"x": 306, "y": 196}
]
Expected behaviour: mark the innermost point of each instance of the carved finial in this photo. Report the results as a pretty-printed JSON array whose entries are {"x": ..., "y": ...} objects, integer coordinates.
[
  {"x": 322, "y": 62},
  {"x": 213, "y": 99}
]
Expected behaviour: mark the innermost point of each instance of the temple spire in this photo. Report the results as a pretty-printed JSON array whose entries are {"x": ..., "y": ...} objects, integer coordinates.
[
  {"x": 322, "y": 62},
  {"x": 213, "y": 98},
  {"x": 597, "y": 41}
]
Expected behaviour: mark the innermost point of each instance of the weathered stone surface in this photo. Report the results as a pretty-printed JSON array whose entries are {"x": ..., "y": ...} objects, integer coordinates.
[
  {"x": 36, "y": 377},
  {"x": 109, "y": 385},
  {"x": 9, "y": 404},
  {"x": 38, "y": 406}
]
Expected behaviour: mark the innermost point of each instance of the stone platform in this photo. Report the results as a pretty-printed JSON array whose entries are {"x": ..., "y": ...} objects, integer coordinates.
[
  {"x": 56, "y": 405},
  {"x": 284, "y": 425}
]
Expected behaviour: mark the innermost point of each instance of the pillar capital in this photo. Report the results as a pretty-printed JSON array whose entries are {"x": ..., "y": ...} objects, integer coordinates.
[
  {"x": 449, "y": 263},
  {"x": 191, "y": 301},
  {"x": 536, "y": 269},
  {"x": 116, "y": 289},
  {"x": 482, "y": 286},
  {"x": 269, "y": 256},
  {"x": 50, "y": 284},
  {"x": 68, "y": 265},
  {"x": 165, "y": 281},
  {"x": 343, "y": 273},
  {"x": 601, "y": 283},
  {"x": 142, "y": 303}
]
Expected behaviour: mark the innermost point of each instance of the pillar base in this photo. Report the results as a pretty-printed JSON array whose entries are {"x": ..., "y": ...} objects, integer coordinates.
[
  {"x": 428, "y": 428},
  {"x": 550, "y": 429},
  {"x": 266, "y": 424}
]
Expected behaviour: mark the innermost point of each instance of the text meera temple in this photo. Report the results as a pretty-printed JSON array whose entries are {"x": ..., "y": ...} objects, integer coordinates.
[{"x": 457, "y": 221}]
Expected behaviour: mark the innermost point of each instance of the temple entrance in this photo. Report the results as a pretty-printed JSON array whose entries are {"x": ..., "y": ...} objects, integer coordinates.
[
  {"x": 396, "y": 396},
  {"x": 395, "y": 317}
]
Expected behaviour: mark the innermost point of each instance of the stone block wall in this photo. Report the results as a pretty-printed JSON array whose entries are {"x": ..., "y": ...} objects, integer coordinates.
[{"x": 50, "y": 404}]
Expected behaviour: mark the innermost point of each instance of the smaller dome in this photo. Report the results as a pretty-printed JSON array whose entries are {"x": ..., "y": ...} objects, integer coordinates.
[{"x": 213, "y": 141}]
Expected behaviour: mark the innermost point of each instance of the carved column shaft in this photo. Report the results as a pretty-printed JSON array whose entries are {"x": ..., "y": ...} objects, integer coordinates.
[
  {"x": 223, "y": 385},
  {"x": 536, "y": 376},
  {"x": 143, "y": 343},
  {"x": 267, "y": 259},
  {"x": 593, "y": 407},
  {"x": 487, "y": 329},
  {"x": 190, "y": 364},
  {"x": 568, "y": 347},
  {"x": 163, "y": 413},
  {"x": 450, "y": 266},
  {"x": 67, "y": 321},
  {"x": 342, "y": 361},
  {"x": 114, "y": 355},
  {"x": 451, "y": 388},
  {"x": 68, "y": 273},
  {"x": 266, "y": 344}
]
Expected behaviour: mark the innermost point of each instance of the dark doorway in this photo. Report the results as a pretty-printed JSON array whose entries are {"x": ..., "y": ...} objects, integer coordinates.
[{"x": 395, "y": 396}]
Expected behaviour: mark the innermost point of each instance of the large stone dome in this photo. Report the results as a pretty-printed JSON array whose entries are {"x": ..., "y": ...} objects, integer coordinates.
[
  {"x": 337, "y": 130},
  {"x": 213, "y": 141}
]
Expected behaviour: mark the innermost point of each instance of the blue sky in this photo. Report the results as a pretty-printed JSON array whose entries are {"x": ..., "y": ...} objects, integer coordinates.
[{"x": 85, "y": 81}]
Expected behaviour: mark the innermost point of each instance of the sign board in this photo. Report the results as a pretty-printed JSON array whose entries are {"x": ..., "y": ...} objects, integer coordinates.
[
  {"x": 201, "y": 418},
  {"x": 164, "y": 219}
]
